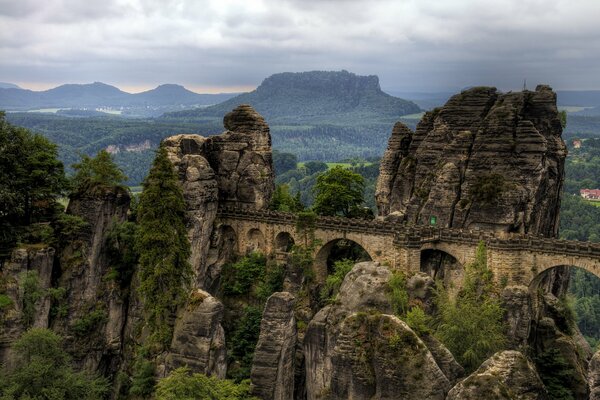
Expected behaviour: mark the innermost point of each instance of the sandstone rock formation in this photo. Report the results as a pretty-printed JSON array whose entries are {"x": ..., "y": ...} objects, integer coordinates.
[
  {"x": 333, "y": 360},
  {"x": 594, "y": 377},
  {"x": 96, "y": 306},
  {"x": 379, "y": 356},
  {"x": 198, "y": 337},
  {"x": 484, "y": 160},
  {"x": 516, "y": 301},
  {"x": 506, "y": 375},
  {"x": 234, "y": 168},
  {"x": 272, "y": 373}
]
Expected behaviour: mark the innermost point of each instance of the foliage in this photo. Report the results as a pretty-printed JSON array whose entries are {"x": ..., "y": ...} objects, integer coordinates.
[
  {"x": 556, "y": 373},
  {"x": 472, "y": 326},
  {"x": 272, "y": 281},
  {"x": 338, "y": 191},
  {"x": 94, "y": 173},
  {"x": 282, "y": 200},
  {"x": 67, "y": 227},
  {"x": 579, "y": 220},
  {"x": 142, "y": 378},
  {"x": 31, "y": 180},
  {"x": 562, "y": 115},
  {"x": 180, "y": 384},
  {"x": 89, "y": 322},
  {"x": 283, "y": 162},
  {"x": 314, "y": 167},
  {"x": 121, "y": 251},
  {"x": 397, "y": 294},
  {"x": 243, "y": 342},
  {"x": 334, "y": 281},
  {"x": 163, "y": 246},
  {"x": 32, "y": 293},
  {"x": 42, "y": 370},
  {"x": 585, "y": 288},
  {"x": 5, "y": 302},
  {"x": 239, "y": 277},
  {"x": 418, "y": 320},
  {"x": 488, "y": 188}
]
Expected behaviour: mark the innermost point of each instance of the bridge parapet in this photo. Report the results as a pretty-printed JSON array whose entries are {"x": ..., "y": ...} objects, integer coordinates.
[{"x": 413, "y": 236}]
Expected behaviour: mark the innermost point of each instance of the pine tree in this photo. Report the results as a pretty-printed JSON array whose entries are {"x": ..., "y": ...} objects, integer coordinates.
[
  {"x": 163, "y": 246},
  {"x": 100, "y": 172}
]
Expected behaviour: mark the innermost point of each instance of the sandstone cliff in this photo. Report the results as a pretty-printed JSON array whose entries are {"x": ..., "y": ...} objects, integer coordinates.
[{"x": 484, "y": 160}]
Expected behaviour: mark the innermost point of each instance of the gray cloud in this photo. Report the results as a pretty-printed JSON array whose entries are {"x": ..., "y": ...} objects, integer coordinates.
[{"x": 411, "y": 44}]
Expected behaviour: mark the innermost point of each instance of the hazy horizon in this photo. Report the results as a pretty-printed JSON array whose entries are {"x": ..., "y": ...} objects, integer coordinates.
[{"x": 217, "y": 47}]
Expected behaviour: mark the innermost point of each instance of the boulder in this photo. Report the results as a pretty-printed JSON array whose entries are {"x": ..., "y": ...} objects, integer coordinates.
[
  {"x": 506, "y": 375},
  {"x": 272, "y": 374},
  {"x": 198, "y": 337}
]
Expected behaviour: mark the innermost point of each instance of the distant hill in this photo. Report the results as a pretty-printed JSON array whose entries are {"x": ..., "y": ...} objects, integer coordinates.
[
  {"x": 6, "y": 85},
  {"x": 314, "y": 97},
  {"x": 97, "y": 94}
]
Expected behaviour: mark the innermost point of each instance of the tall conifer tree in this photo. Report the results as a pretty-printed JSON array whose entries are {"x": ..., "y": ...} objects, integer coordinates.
[{"x": 164, "y": 248}]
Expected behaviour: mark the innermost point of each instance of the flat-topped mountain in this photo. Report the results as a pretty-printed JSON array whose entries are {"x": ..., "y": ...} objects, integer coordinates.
[
  {"x": 99, "y": 94},
  {"x": 315, "y": 96}
]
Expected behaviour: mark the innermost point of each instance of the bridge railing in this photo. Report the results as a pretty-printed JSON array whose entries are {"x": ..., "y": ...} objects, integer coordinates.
[{"x": 417, "y": 235}]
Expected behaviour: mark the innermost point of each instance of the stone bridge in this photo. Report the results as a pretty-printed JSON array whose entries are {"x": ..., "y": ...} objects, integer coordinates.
[{"x": 513, "y": 258}]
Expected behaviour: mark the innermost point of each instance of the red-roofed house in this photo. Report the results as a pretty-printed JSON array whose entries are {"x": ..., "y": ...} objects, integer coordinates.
[{"x": 590, "y": 194}]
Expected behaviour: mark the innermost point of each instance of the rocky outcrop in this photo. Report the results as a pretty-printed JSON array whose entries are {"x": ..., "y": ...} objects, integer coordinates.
[
  {"x": 335, "y": 362},
  {"x": 484, "y": 160},
  {"x": 506, "y": 375},
  {"x": 24, "y": 280},
  {"x": 517, "y": 303},
  {"x": 594, "y": 377},
  {"x": 95, "y": 305},
  {"x": 272, "y": 372},
  {"x": 198, "y": 337},
  {"x": 378, "y": 356},
  {"x": 234, "y": 168}
]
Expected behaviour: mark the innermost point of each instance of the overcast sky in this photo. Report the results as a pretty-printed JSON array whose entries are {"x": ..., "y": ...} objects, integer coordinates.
[{"x": 232, "y": 45}]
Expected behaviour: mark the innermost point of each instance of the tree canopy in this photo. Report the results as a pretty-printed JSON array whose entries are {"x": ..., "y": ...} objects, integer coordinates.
[
  {"x": 163, "y": 246},
  {"x": 339, "y": 191},
  {"x": 93, "y": 173},
  {"x": 42, "y": 370}
]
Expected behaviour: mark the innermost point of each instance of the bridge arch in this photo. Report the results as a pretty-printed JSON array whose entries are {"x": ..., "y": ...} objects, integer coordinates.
[
  {"x": 442, "y": 263},
  {"x": 255, "y": 241},
  {"x": 284, "y": 241},
  {"x": 551, "y": 262},
  {"x": 334, "y": 250}
]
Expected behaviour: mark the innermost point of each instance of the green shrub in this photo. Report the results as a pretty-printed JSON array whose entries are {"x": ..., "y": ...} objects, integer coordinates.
[
  {"x": 272, "y": 281},
  {"x": 488, "y": 188},
  {"x": 397, "y": 294},
  {"x": 32, "y": 293},
  {"x": 68, "y": 227},
  {"x": 418, "y": 321},
  {"x": 42, "y": 370},
  {"x": 180, "y": 384},
  {"x": 89, "y": 322},
  {"x": 142, "y": 377},
  {"x": 334, "y": 281},
  {"x": 239, "y": 277},
  {"x": 243, "y": 342},
  {"x": 58, "y": 308},
  {"x": 556, "y": 374}
]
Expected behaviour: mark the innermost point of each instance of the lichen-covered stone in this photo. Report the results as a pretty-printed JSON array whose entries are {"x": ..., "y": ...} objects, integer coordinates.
[
  {"x": 483, "y": 160},
  {"x": 378, "y": 356},
  {"x": 198, "y": 337},
  {"x": 272, "y": 374},
  {"x": 506, "y": 375},
  {"x": 329, "y": 362},
  {"x": 516, "y": 301}
]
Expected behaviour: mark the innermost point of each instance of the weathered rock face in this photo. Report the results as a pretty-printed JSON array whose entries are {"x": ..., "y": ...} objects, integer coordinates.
[
  {"x": 233, "y": 168},
  {"x": 517, "y": 303},
  {"x": 594, "y": 377},
  {"x": 332, "y": 359},
  {"x": 198, "y": 337},
  {"x": 484, "y": 160},
  {"x": 35, "y": 265},
  {"x": 272, "y": 373},
  {"x": 96, "y": 306},
  {"x": 379, "y": 356},
  {"x": 506, "y": 375}
]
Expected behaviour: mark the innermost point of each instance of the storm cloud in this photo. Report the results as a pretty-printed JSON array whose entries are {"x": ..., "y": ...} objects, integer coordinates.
[{"x": 231, "y": 45}]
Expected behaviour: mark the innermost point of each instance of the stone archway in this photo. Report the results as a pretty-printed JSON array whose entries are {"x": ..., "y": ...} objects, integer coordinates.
[
  {"x": 442, "y": 266},
  {"x": 330, "y": 252},
  {"x": 284, "y": 242},
  {"x": 255, "y": 241}
]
